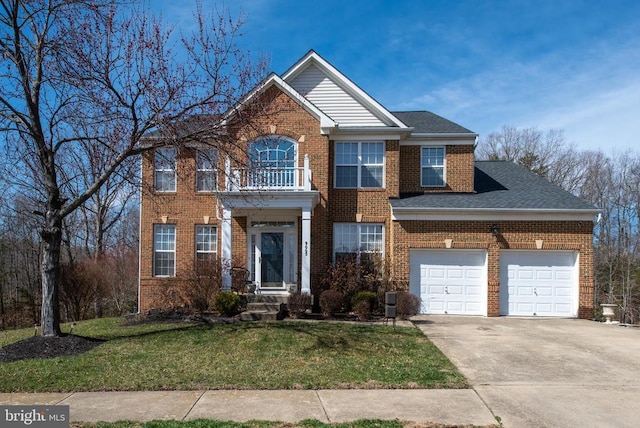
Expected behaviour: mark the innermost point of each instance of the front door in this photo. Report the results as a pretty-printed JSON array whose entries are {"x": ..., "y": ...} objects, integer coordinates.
[
  {"x": 272, "y": 260},
  {"x": 272, "y": 252}
]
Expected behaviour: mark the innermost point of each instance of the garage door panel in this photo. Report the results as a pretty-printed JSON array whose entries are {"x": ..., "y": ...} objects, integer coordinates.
[
  {"x": 436, "y": 306},
  {"x": 544, "y": 291},
  {"x": 525, "y": 275},
  {"x": 450, "y": 282},
  {"x": 455, "y": 273},
  {"x": 544, "y": 275},
  {"x": 473, "y": 290},
  {"x": 542, "y": 283},
  {"x": 564, "y": 291},
  {"x": 474, "y": 274},
  {"x": 436, "y": 273},
  {"x": 455, "y": 307}
]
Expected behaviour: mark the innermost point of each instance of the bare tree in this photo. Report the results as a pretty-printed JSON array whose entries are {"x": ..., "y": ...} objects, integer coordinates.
[
  {"x": 545, "y": 153},
  {"x": 79, "y": 73}
]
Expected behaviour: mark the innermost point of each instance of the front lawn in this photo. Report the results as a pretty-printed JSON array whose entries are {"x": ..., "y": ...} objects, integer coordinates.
[{"x": 261, "y": 355}]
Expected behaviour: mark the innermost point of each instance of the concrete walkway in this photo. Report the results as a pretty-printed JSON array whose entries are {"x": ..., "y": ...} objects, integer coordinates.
[{"x": 454, "y": 407}]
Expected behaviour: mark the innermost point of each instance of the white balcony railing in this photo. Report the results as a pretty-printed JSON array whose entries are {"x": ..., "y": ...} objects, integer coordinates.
[{"x": 269, "y": 178}]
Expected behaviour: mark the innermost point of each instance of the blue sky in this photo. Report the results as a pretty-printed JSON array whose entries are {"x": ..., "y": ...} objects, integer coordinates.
[{"x": 571, "y": 65}]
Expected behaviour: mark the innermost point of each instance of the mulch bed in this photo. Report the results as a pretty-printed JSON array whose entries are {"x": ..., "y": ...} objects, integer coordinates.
[{"x": 47, "y": 347}]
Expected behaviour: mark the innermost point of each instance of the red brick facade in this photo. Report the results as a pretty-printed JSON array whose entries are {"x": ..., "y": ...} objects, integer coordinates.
[{"x": 187, "y": 208}]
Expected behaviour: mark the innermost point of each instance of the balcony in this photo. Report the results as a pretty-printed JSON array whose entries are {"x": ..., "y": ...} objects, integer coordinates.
[{"x": 268, "y": 178}]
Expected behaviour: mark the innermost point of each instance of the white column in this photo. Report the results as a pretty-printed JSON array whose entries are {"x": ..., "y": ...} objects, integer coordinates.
[
  {"x": 306, "y": 175},
  {"x": 305, "y": 286},
  {"x": 226, "y": 248}
]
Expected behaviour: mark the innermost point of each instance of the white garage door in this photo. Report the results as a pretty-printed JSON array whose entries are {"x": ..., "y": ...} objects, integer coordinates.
[
  {"x": 538, "y": 283},
  {"x": 449, "y": 281}
]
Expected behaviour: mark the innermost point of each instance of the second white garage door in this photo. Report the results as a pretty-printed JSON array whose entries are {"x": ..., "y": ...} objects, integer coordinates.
[
  {"x": 538, "y": 283},
  {"x": 449, "y": 281}
]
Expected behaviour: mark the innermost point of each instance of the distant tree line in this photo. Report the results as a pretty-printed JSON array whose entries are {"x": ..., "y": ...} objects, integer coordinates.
[{"x": 610, "y": 182}]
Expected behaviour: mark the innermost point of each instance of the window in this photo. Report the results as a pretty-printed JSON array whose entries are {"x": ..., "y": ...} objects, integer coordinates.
[
  {"x": 164, "y": 250},
  {"x": 272, "y": 162},
  {"x": 206, "y": 243},
  {"x": 206, "y": 173},
  {"x": 432, "y": 167},
  {"x": 359, "y": 165},
  {"x": 165, "y": 169},
  {"x": 355, "y": 239}
]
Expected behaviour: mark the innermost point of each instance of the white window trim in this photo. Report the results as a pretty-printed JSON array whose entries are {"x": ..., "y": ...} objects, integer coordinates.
[
  {"x": 215, "y": 243},
  {"x": 174, "y": 169},
  {"x": 359, "y": 164},
  {"x": 175, "y": 239},
  {"x": 213, "y": 170},
  {"x": 444, "y": 167},
  {"x": 359, "y": 243}
]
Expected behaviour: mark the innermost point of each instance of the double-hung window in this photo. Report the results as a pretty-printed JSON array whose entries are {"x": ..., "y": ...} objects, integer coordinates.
[
  {"x": 165, "y": 169},
  {"x": 206, "y": 173},
  {"x": 206, "y": 243},
  {"x": 164, "y": 250},
  {"x": 432, "y": 167},
  {"x": 358, "y": 240},
  {"x": 359, "y": 164}
]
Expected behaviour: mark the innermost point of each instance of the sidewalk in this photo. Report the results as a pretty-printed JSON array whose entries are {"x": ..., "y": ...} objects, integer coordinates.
[{"x": 445, "y": 406}]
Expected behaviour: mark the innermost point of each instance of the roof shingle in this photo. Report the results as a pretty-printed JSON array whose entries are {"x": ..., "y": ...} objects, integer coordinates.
[
  {"x": 499, "y": 185},
  {"x": 425, "y": 122}
]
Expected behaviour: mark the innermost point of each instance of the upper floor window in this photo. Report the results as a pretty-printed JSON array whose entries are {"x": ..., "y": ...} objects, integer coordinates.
[
  {"x": 206, "y": 173},
  {"x": 359, "y": 164},
  {"x": 164, "y": 250},
  {"x": 165, "y": 169},
  {"x": 272, "y": 162},
  {"x": 432, "y": 167},
  {"x": 358, "y": 240}
]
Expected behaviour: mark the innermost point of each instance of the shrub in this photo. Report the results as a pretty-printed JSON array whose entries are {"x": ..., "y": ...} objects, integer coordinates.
[
  {"x": 344, "y": 277},
  {"x": 331, "y": 302},
  {"x": 362, "y": 309},
  {"x": 369, "y": 297},
  {"x": 298, "y": 304},
  {"x": 202, "y": 284},
  {"x": 226, "y": 303},
  {"x": 407, "y": 304}
]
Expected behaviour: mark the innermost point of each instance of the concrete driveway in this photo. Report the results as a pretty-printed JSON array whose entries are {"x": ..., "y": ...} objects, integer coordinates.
[{"x": 543, "y": 372}]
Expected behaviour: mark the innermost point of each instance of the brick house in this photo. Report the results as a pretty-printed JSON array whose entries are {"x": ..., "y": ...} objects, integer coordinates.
[{"x": 328, "y": 171}]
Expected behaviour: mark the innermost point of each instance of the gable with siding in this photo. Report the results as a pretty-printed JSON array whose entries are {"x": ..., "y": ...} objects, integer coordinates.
[{"x": 326, "y": 94}]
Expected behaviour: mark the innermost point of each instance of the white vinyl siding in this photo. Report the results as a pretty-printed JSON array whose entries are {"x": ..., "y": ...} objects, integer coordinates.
[
  {"x": 164, "y": 250},
  {"x": 432, "y": 173},
  {"x": 332, "y": 99}
]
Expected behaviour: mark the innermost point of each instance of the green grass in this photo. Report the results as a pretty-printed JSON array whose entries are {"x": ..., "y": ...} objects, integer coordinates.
[{"x": 262, "y": 355}]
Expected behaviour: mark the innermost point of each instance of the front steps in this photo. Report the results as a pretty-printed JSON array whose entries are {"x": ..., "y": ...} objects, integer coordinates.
[{"x": 265, "y": 307}]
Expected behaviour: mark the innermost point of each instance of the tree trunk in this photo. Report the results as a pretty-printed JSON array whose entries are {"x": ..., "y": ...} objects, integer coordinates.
[{"x": 50, "y": 269}]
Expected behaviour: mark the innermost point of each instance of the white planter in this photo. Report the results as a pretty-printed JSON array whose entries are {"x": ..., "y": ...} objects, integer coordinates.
[{"x": 608, "y": 311}]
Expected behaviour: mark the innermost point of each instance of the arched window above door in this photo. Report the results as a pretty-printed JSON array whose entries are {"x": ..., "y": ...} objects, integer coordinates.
[{"x": 272, "y": 163}]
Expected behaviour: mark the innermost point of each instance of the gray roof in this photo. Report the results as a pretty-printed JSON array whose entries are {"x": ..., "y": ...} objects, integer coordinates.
[
  {"x": 500, "y": 185},
  {"x": 425, "y": 122}
]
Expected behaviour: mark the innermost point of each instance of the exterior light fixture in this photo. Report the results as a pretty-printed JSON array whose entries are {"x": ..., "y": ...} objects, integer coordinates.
[{"x": 495, "y": 230}]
